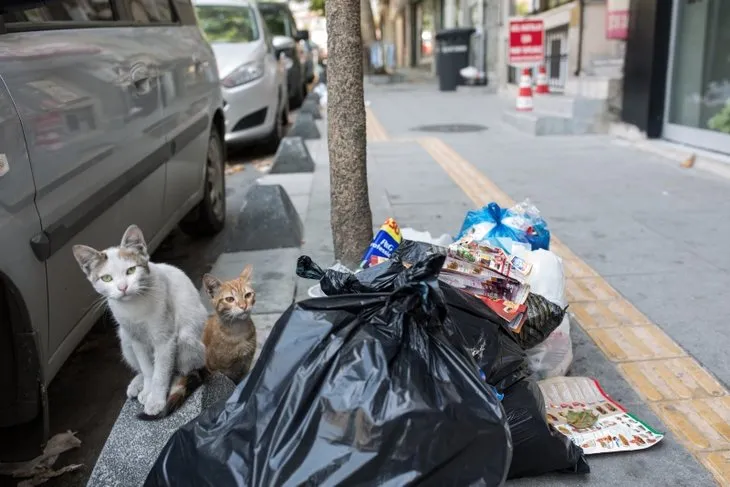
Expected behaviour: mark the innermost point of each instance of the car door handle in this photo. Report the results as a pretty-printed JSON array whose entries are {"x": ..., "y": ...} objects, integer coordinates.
[
  {"x": 198, "y": 64},
  {"x": 141, "y": 77}
]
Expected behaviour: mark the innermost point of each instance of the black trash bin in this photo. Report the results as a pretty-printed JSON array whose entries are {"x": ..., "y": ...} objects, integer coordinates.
[{"x": 452, "y": 55}]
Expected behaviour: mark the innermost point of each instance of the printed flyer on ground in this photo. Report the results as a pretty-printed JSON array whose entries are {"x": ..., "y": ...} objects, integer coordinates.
[{"x": 578, "y": 408}]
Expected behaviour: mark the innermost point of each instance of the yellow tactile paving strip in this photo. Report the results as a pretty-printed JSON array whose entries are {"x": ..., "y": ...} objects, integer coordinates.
[
  {"x": 690, "y": 401},
  {"x": 375, "y": 130}
]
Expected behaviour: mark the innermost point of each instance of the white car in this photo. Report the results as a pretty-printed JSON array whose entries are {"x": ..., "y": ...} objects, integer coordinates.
[{"x": 253, "y": 80}]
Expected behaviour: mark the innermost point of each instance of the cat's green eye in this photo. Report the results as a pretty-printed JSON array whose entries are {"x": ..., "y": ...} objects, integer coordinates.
[
  {"x": 230, "y": 299},
  {"x": 106, "y": 278},
  {"x": 131, "y": 270}
]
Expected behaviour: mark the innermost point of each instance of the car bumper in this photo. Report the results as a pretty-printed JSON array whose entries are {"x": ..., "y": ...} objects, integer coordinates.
[{"x": 250, "y": 110}]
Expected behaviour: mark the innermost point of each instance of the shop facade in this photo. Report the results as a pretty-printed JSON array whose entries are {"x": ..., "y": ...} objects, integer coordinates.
[{"x": 677, "y": 71}]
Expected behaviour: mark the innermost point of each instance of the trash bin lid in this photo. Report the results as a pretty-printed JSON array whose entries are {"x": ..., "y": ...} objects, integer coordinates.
[{"x": 455, "y": 33}]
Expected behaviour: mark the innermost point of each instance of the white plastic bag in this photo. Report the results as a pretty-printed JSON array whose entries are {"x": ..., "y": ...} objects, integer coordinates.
[
  {"x": 416, "y": 236},
  {"x": 553, "y": 356}
]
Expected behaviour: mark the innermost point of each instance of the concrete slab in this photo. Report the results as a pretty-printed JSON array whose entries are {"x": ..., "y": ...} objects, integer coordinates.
[
  {"x": 293, "y": 184},
  {"x": 273, "y": 276},
  {"x": 133, "y": 445}
]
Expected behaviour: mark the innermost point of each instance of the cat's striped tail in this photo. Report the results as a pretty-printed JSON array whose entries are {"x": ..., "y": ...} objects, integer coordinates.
[{"x": 180, "y": 390}]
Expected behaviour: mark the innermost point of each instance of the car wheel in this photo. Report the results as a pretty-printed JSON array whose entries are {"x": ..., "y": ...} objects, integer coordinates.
[
  {"x": 298, "y": 98},
  {"x": 277, "y": 131},
  {"x": 209, "y": 217}
]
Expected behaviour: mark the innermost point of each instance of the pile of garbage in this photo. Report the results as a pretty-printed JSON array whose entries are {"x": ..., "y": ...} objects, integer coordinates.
[{"x": 421, "y": 367}]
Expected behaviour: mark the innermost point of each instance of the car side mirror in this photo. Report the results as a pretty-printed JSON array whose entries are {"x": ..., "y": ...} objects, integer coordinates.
[
  {"x": 283, "y": 42},
  {"x": 302, "y": 35}
]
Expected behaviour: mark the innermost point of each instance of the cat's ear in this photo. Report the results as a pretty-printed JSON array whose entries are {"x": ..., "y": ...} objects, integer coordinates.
[
  {"x": 246, "y": 273},
  {"x": 88, "y": 258},
  {"x": 133, "y": 239},
  {"x": 211, "y": 284}
]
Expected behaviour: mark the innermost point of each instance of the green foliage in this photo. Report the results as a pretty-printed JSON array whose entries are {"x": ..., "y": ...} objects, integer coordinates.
[
  {"x": 227, "y": 24},
  {"x": 317, "y": 6},
  {"x": 721, "y": 121}
]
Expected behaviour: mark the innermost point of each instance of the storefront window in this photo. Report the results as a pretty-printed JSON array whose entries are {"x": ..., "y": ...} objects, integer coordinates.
[{"x": 699, "y": 95}]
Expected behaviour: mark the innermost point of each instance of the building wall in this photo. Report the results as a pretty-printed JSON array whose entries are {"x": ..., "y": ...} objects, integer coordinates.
[{"x": 595, "y": 46}]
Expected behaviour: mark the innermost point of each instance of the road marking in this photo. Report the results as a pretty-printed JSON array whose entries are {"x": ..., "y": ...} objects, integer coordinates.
[{"x": 690, "y": 401}]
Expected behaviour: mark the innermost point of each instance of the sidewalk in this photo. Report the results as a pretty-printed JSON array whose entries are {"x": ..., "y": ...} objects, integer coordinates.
[
  {"x": 637, "y": 220},
  {"x": 630, "y": 226}
]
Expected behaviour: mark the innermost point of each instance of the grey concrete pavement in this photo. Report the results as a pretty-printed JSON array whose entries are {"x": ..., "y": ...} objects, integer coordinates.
[{"x": 653, "y": 230}]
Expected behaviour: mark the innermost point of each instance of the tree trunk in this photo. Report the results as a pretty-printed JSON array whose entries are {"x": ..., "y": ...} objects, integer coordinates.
[{"x": 351, "y": 219}]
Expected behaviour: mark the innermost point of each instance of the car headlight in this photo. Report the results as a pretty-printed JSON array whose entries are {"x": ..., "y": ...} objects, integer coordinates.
[{"x": 244, "y": 74}]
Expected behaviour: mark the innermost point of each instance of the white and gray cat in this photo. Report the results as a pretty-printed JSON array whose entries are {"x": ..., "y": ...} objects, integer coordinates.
[{"x": 160, "y": 319}]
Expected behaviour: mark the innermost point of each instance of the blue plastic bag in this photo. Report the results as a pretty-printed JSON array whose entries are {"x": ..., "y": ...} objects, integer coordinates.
[
  {"x": 522, "y": 223},
  {"x": 490, "y": 219}
]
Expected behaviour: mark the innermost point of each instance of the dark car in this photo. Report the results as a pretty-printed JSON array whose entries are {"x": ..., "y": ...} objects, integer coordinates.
[{"x": 280, "y": 22}]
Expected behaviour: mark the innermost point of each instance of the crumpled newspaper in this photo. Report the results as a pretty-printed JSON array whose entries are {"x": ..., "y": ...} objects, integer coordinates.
[{"x": 40, "y": 469}]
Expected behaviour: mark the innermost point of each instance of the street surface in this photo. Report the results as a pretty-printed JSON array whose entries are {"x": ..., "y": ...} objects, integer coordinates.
[
  {"x": 622, "y": 219},
  {"x": 653, "y": 231}
]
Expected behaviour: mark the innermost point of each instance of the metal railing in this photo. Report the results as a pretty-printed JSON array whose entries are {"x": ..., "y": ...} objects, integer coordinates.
[{"x": 556, "y": 66}]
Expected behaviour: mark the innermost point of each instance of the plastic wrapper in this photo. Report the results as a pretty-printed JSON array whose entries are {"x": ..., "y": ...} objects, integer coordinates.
[
  {"x": 351, "y": 390},
  {"x": 538, "y": 448},
  {"x": 543, "y": 317}
]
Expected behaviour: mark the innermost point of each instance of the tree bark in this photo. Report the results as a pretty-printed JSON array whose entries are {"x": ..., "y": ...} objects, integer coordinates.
[{"x": 350, "y": 215}]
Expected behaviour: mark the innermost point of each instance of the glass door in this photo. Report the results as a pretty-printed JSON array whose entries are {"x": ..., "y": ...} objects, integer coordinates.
[{"x": 698, "y": 91}]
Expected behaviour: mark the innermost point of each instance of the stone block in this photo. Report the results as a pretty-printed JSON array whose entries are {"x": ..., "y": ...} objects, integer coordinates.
[
  {"x": 292, "y": 156},
  {"x": 311, "y": 107},
  {"x": 269, "y": 220},
  {"x": 305, "y": 127}
]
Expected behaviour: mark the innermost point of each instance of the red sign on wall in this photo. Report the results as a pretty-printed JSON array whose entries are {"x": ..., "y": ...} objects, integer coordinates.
[
  {"x": 526, "y": 41},
  {"x": 617, "y": 19}
]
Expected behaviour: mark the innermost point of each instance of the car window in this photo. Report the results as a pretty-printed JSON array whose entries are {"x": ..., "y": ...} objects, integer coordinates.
[
  {"x": 276, "y": 21},
  {"x": 150, "y": 11},
  {"x": 63, "y": 11},
  {"x": 227, "y": 24}
]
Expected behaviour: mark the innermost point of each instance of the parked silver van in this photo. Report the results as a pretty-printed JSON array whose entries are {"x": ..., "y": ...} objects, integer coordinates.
[{"x": 110, "y": 114}]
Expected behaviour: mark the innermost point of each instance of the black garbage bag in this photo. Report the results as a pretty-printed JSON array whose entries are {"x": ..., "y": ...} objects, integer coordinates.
[
  {"x": 486, "y": 336},
  {"x": 409, "y": 252},
  {"x": 359, "y": 389},
  {"x": 379, "y": 278},
  {"x": 474, "y": 326},
  {"x": 537, "y": 447}
]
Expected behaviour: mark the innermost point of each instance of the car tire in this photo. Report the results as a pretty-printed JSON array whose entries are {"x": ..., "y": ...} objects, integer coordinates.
[
  {"x": 277, "y": 131},
  {"x": 298, "y": 98},
  {"x": 209, "y": 216}
]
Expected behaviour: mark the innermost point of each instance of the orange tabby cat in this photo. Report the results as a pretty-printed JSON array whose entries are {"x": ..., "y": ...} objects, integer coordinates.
[{"x": 230, "y": 335}]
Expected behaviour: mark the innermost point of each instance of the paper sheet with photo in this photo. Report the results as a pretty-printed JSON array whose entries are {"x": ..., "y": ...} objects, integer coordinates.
[{"x": 615, "y": 429}]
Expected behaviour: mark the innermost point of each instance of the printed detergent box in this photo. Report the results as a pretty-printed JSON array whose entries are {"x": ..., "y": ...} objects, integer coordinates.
[{"x": 386, "y": 241}]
